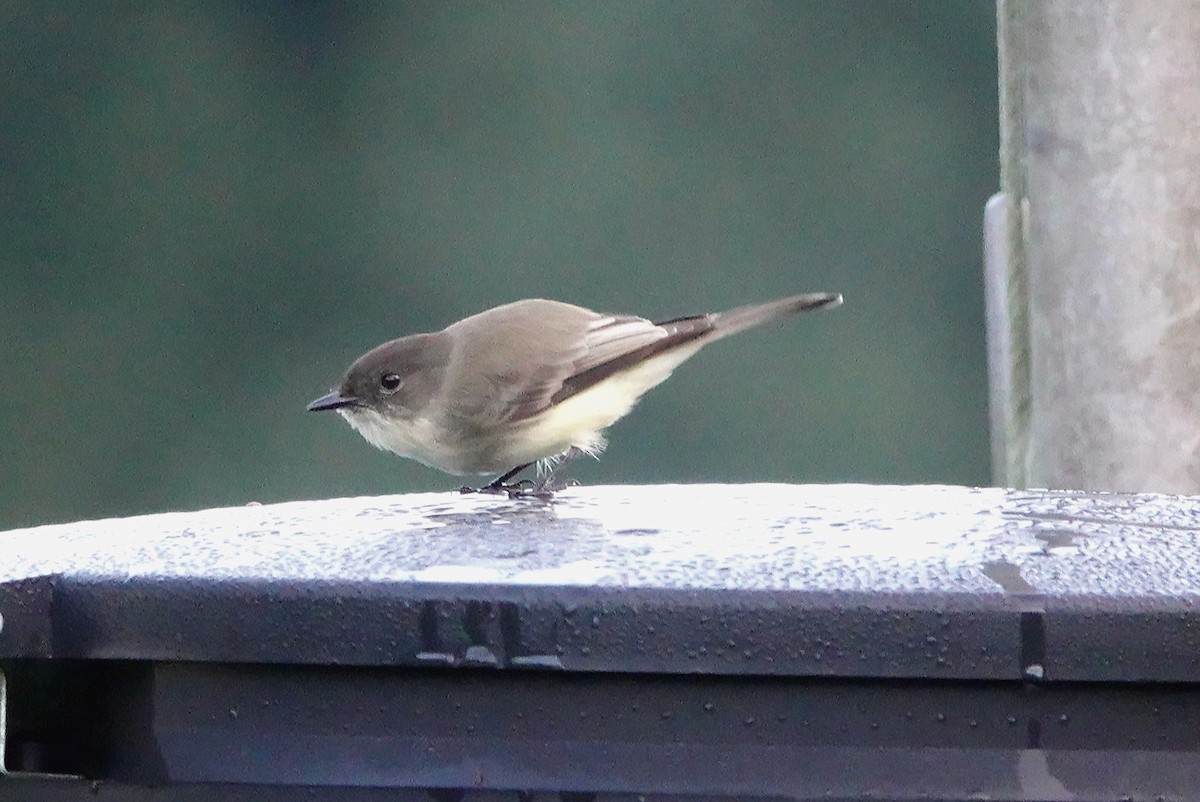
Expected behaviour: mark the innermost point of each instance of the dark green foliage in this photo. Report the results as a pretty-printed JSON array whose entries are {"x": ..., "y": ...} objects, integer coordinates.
[{"x": 209, "y": 211}]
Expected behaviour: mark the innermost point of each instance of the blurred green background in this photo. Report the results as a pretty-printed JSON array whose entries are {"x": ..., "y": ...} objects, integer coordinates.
[{"x": 210, "y": 209}]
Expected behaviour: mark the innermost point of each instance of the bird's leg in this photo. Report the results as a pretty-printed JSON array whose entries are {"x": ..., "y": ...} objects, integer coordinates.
[
  {"x": 526, "y": 488},
  {"x": 546, "y": 486},
  {"x": 500, "y": 484}
]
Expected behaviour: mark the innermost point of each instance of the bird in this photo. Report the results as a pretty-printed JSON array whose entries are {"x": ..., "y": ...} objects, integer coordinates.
[{"x": 533, "y": 381}]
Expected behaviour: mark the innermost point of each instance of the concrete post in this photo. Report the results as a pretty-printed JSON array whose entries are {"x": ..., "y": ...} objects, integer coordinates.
[{"x": 1094, "y": 246}]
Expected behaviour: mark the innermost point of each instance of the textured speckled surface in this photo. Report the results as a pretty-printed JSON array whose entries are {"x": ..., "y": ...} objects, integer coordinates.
[{"x": 843, "y": 580}]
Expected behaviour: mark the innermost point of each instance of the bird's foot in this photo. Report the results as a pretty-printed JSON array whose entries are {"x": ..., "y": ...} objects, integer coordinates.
[
  {"x": 525, "y": 488},
  {"x": 546, "y": 488},
  {"x": 499, "y": 488}
]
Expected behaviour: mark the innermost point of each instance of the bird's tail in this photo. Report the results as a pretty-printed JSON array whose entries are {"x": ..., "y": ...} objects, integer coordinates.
[{"x": 744, "y": 317}]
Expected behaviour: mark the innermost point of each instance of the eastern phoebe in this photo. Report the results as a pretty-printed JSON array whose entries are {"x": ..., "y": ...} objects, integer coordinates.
[{"x": 531, "y": 381}]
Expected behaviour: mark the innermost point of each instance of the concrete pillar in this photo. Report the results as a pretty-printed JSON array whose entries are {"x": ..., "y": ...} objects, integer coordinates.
[{"x": 1093, "y": 246}]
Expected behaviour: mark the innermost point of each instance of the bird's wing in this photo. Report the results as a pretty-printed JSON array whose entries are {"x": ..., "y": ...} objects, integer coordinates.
[
  {"x": 621, "y": 342},
  {"x": 603, "y": 340},
  {"x": 575, "y": 348}
]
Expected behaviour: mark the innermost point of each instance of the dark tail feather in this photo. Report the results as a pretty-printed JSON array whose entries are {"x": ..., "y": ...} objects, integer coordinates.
[
  {"x": 684, "y": 330},
  {"x": 744, "y": 317}
]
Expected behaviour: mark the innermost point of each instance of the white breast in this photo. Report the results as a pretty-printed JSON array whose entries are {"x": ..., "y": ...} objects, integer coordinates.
[{"x": 415, "y": 438}]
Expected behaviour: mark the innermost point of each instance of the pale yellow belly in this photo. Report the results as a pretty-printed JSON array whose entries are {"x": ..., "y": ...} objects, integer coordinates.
[{"x": 580, "y": 421}]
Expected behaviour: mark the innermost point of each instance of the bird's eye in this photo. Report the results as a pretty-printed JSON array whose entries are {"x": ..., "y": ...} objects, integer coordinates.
[{"x": 390, "y": 382}]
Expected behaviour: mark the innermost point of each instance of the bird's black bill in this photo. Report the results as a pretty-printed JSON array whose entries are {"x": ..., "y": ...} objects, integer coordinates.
[{"x": 334, "y": 400}]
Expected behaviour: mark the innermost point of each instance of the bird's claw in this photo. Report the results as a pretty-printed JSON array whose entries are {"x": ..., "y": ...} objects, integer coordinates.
[
  {"x": 518, "y": 489},
  {"x": 524, "y": 488}
]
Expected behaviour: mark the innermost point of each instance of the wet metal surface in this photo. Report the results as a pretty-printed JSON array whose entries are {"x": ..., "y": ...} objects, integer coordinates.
[{"x": 843, "y": 580}]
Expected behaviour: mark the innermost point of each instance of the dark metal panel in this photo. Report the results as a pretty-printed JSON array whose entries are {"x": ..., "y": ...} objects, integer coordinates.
[
  {"x": 855, "y": 581},
  {"x": 720, "y": 737},
  {"x": 43, "y": 789},
  {"x": 574, "y": 629},
  {"x": 27, "y": 616}
]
